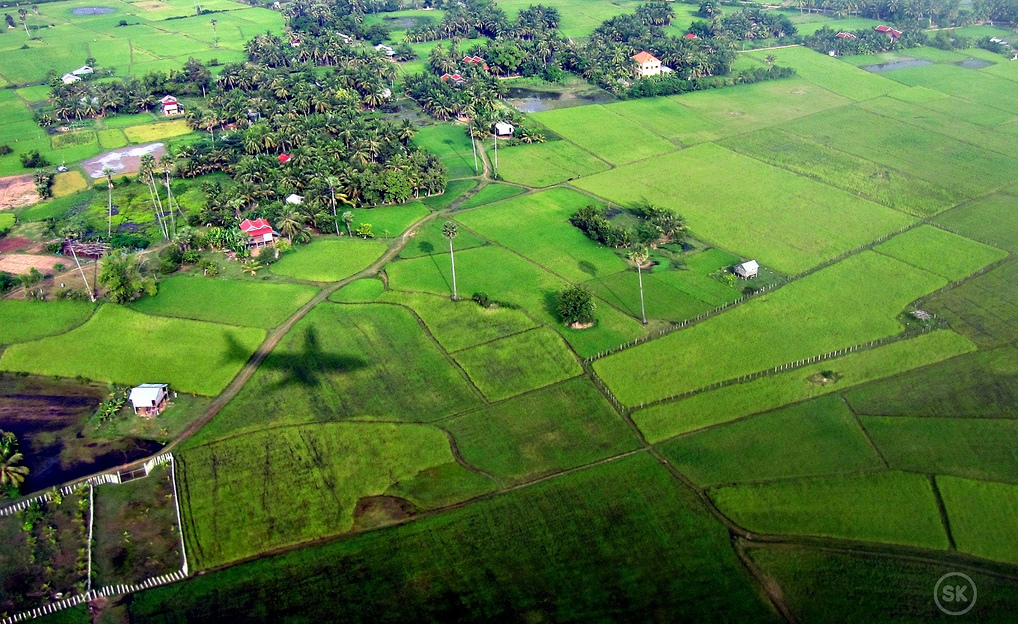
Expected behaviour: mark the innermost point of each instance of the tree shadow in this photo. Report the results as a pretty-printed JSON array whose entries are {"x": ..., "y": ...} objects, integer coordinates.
[
  {"x": 425, "y": 247},
  {"x": 307, "y": 368},
  {"x": 588, "y": 267}
]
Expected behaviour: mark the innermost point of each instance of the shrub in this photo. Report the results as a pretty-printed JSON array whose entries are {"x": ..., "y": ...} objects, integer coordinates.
[
  {"x": 209, "y": 268},
  {"x": 5, "y": 149},
  {"x": 123, "y": 240},
  {"x": 7, "y": 281},
  {"x": 191, "y": 256},
  {"x": 592, "y": 222},
  {"x": 33, "y": 160},
  {"x": 576, "y": 306},
  {"x": 482, "y": 299}
]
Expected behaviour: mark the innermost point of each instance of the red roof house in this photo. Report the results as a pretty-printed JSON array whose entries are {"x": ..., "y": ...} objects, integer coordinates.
[
  {"x": 170, "y": 105},
  {"x": 259, "y": 232},
  {"x": 457, "y": 78},
  {"x": 691, "y": 36},
  {"x": 845, "y": 35},
  {"x": 284, "y": 158}
]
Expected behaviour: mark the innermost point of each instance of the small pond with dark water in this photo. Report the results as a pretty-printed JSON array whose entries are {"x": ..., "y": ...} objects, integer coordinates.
[
  {"x": 534, "y": 101},
  {"x": 49, "y": 416},
  {"x": 92, "y": 10},
  {"x": 905, "y": 63},
  {"x": 974, "y": 63}
]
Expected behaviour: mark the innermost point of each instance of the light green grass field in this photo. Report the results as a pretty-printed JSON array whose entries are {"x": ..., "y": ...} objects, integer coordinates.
[
  {"x": 975, "y": 448},
  {"x": 983, "y": 516},
  {"x": 429, "y": 240},
  {"x": 341, "y": 362},
  {"x": 458, "y": 325},
  {"x": 758, "y": 219},
  {"x": 724, "y": 404},
  {"x": 557, "y": 428},
  {"x": 359, "y": 291},
  {"x": 226, "y": 301},
  {"x": 157, "y": 131},
  {"x": 984, "y": 307},
  {"x": 880, "y": 183},
  {"x": 122, "y": 346},
  {"x": 491, "y": 193},
  {"x": 888, "y": 507},
  {"x": 664, "y": 117},
  {"x": 544, "y": 164},
  {"x": 329, "y": 259},
  {"x": 809, "y": 439},
  {"x": 616, "y": 138},
  {"x": 831, "y": 309},
  {"x": 537, "y": 227},
  {"x": 992, "y": 220},
  {"x": 942, "y": 253},
  {"x": 519, "y": 363},
  {"x": 967, "y": 84},
  {"x": 266, "y": 489},
  {"x": 454, "y": 189},
  {"x": 452, "y": 145},
  {"x": 663, "y": 299},
  {"x": 392, "y": 219},
  {"x": 22, "y": 321},
  {"x": 831, "y": 74}
]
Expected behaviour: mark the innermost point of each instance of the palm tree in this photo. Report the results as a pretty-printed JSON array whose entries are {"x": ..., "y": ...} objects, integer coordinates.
[
  {"x": 215, "y": 31},
  {"x": 348, "y": 219},
  {"x": 12, "y": 473},
  {"x": 639, "y": 256},
  {"x": 450, "y": 230},
  {"x": 291, "y": 223},
  {"x": 108, "y": 172},
  {"x": 333, "y": 182}
]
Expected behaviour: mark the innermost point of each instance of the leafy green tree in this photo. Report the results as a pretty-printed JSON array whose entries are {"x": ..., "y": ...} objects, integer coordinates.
[
  {"x": 348, "y": 219},
  {"x": 639, "y": 256},
  {"x": 364, "y": 231},
  {"x": 576, "y": 306},
  {"x": 123, "y": 278},
  {"x": 29, "y": 281},
  {"x": 450, "y": 230}
]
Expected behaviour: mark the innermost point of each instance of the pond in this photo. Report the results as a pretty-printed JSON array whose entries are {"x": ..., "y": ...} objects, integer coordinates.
[
  {"x": 974, "y": 63},
  {"x": 92, "y": 10},
  {"x": 906, "y": 63},
  {"x": 401, "y": 22},
  {"x": 48, "y": 416},
  {"x": 528, "y": 100}
]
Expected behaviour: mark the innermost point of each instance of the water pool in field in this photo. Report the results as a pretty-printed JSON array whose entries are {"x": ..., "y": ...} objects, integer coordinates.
[
  {"x": 92, "y": 10},
  {"x": 974, "y": 63},
  {"x": 880, "y": 68},
  {"x": 528, "y": 100}
]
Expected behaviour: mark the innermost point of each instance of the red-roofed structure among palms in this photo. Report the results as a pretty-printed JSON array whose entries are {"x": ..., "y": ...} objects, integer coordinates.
[{"x": 259, "y": 232}]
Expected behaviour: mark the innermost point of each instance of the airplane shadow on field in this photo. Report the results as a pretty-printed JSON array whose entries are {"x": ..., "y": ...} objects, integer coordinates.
[{"x": 306, "y": 368}]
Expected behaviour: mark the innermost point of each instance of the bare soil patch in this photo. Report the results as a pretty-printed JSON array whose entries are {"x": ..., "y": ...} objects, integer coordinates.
[
  {"x": 17, "y": 191},
  {"x": 122, "y": 161},
  {"x": 375, "y": 511},
  {"x": 14, "y": 243},
  {"x": 18, "y": 263}
]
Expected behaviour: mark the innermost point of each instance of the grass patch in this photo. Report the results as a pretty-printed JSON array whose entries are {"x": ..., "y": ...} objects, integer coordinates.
[
  {"x": 429, "y": 240},
  {"x": 975, "y": 448},
  {"x": 888, "y": 507},
  {"x": 68, "y": 183},
  {"x": 662, "y": 299},
  {"x": 452, "y": 146},
  {"x": 942, "y": 253},
  {"x": 664, "y": 117},
  {"x": 989, "y": 220},
  {"x": 388, "y": 221},
  {"x": 983, "y": 308},
  {"x": 123, "y": 346},
  {"x": 491, "y": 193},
  {"x": 557, "y": 428},
  {"x": 157, "y": 131},
  {"x": 316, "y": 474},
  {"x": 329, "y": 259},
  {"x": 22, "y": 321},
  {"x": 112, "y": 138},
  {"x": 617, "y": 139},
  {"x": 979, "y": 87},
  {"x": 760, "y": 221},
  {"x": 834, "y": 308},
  {"x": 830, "y": 73},
  {"x": 454, "y": 189},
  {"x": 810, "y": 439},
  {"x": 537, "y": 226},
  {"x": 341, "y": 362},
  {"x": 724, "y": 404},
  {"x": 232, "y": 302},
  {"x": 544, "y": 164},
  {"x": 501, "y": 557},
  {"x": 519, "y": 363},
  {"x": 359, "y": 291},
  {"x": 983, "y": 516}
]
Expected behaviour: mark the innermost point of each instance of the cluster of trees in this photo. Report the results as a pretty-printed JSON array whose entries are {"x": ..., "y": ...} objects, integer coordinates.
[
  {"x": 654, "y": 226},
  {"x": 920, "y": 12},
  {"x": 468, "y": 19},
  {"x": 670, "y": 84},
  {"x": 866, "y": 41},
  {"x": 12, "y": 472},
  {"x": 745, "y": 25}
]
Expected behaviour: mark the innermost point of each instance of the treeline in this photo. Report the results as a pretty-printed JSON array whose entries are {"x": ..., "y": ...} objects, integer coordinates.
[
  {"x": 670, "y": 84},
  {"x": 924, "y": 13},
  {"x": 868, "y": 41},
  {"x": 745, "y": 25},
  {"x": 654, "y": 225}
]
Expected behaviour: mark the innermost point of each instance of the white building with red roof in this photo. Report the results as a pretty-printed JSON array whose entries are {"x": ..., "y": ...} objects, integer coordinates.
[
  {"x": 647, "y": 64},
  {"x": 171, "y": 106},
  {"x": 259, "y": 232}
]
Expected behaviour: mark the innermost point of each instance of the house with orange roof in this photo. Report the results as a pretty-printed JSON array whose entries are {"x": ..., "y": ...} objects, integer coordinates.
[{"x": 647, "y": 64}]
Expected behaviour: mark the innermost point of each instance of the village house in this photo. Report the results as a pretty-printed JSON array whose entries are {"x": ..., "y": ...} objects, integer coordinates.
[
  {"x": 647, "y": 64},
  {"x": 171, "y": 106},
  {"x": 294, "y": 199},
  {"x": 748, "y": 269},
  {"x": 69, "y": 78},
  {"x": 504, "y": 129},
  {"x": 148, "y": 400},
  {"x": 84, "y": 70},
  {"x": 691, "y": 36},
  {"x": 386, "y": 50},
  {"x": 259, "y": 232},
  {"x": 284, "y": 158},
  {"x": 887, "y": 30},
  {"x": 845, "y": 35}
]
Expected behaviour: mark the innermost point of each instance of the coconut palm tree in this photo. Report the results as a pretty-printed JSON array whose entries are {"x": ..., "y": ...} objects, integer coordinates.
[
  {"x": 12, "y": 473},
  {"x": 348, "y": 219},
  {"x": 639, "y": 256},
  {"x": 108, "y": 173},
  {"x": 291, "y": 223},
  {"x": 450, "y": 230},
  {"x": 215, "y": 31}
]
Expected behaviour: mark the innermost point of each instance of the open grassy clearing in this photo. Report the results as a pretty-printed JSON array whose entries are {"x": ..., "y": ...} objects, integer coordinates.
[
  {"x": 544, "y": 164},
  {"x": 975, "y": 448},
  {"x": 972, "y": 170},
  {"x": 557, "y": 428},
  {"x": 890, "y": 507},
  {"x": 983, "y": 516},
  {"x": 359, "y": 291},
  {"x": 462, "y": 324},
  {"x": 665, "y": 117},
  {"x": 266, "y": 489},
  {"x": 992, "y": 220},
  {"x": 495, "y": 559},
  {"x": 157, "y": 131},
  {"x": 452, "y": 145},
  {"x": 454, "y": 189},
  {"x": 822, "y": 585},
  {"x": 429, "y": 240},
  {"x": 813, "y": 438},
  {"x": 967, "y": 84},
  {"x": 506, "y": 277},
  {"x": 226, "y": 301},
  {"x": 537, "y": 227},
  {"x": 942, "y": 253},
  {"x": 672, "y": 295},
  {"x": 830, "y": 73},
  {"x": 127, "y": 347},
  {"x": 491, "y": 193},
  {"x": 347, "y": 361},
  {"x": 617, "y": 139},
  {"x": 984, "y": 307},
  {"x": 519, "y": 363},
  {"x": 22, "y": 321},
  {"x": 329, "y": 259},
  {"x": 882, "y": 184},
  {"x": 387, "y": 221},
  {"x": 724, "y": 404},
  {"x": 831, "y": 309},
  {"x": 976, "y": 385},
  {"x": 761, "y": 221}
]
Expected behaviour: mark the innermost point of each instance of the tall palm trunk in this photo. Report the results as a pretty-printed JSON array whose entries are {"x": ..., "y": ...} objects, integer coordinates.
[
  {"x": 643, "y": 309},
  {"x": 169, "y": 203},
  {"x": 157, "y": 205},
  {"x": 452, "y": 260},
  {"x": 109, "y": 212},
  {"x": 335, "y": 215}
]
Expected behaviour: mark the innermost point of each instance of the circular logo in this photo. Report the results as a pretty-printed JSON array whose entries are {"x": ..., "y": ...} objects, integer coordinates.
[{"x": 955, "y": 593}]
